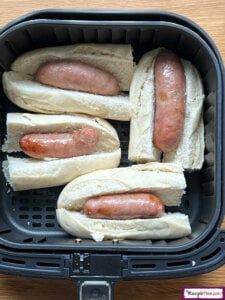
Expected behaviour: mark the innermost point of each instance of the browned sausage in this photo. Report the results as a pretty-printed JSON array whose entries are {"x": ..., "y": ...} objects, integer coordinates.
[
  {"x": 124, "y": 206},
  {"x": 60, "y": 145},
  {"x": 74, "y": 75},
  {"x": 169, "y": 101}
]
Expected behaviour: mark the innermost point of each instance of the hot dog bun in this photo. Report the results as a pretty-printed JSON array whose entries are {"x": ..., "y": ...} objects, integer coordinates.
[
  {"x": 21, "y": 89},
  {"x": 142, "y": 96},
  {"x": 169, "y": 226},
  {"x": 166, "y": 181},
  {"x": 28, "y": 173}
]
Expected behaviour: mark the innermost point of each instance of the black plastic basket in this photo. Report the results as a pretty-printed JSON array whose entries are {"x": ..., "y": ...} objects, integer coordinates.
[{"x": 33, "y": 244}]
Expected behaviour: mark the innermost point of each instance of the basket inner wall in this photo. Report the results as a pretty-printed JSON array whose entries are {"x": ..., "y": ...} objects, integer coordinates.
[{"x": 28, "y": 217}]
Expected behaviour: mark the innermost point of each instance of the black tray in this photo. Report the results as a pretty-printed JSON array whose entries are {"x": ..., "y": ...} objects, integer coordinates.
[{"x": 32, "y": 242}]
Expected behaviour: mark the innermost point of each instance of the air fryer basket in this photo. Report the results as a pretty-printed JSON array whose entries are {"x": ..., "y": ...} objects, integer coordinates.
[{"x": 28, "y": 226}]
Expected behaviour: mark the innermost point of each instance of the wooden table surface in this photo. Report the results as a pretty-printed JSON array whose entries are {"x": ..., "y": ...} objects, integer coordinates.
[{"x": 210, "y": 14}]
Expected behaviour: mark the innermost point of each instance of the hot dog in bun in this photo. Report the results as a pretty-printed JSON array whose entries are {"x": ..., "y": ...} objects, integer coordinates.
[
  {"x": 58, "y": 148},
  {"x": 125, "y": 203},
  {"x": 81, "y": 78},
  {"x": 167, "y": 98}
]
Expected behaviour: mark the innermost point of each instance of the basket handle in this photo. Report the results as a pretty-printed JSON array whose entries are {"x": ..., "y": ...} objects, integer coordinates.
[{"x": 95, "y": 290}]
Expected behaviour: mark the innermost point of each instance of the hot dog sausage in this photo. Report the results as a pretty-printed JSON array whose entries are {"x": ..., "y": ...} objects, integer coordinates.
[
  {"x": 73, "y": 75},
  {"x": 169, "y": 101},
  {"x": 124, "y": 206},
  {"x": 60, "y": 145}
]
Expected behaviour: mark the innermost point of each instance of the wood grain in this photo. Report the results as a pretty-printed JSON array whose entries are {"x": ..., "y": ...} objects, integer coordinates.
[
  {"x": 210, "y": 14},
  {"x": 16, "y": 288}
]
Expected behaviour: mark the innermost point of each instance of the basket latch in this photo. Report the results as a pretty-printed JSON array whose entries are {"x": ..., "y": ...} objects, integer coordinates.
[{"x": 95, "y": 274}]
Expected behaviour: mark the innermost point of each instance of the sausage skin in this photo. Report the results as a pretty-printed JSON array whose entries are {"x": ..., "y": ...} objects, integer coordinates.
[
  {"x": 169, "y": 101},
  {"x": 60, "y": 145},
  {"x": 74, "y": 75},
  {"x": 124, "y": 206}
]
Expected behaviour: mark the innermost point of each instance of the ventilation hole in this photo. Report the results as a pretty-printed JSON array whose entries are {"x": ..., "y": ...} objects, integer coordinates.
[
  {"x": 178, "y": 263},
  {"x": 23, "y": 216},
  {"x": 26, "y": 193},
  {"x": 36, "y": 224},
  {"x": 24, "y": 201},
  {"x": 42, "y": 240},
  {"x": 5, "y": 231},
  {"x": 50, "y": 201},
  {"x": 144, "y": 266},
  {"x": 24, "y": 208},
  {"x": 211, "y": 255},
  {"x": 50, "y": 217},
  {"x": 53, "y": 192},
  {"x": 37, "y": 193},
  {"x": 49, "y": 224},
  {"x": 37, "y": 201},
  {"x": 29, "y": 240},
  {"x": 45, "y": 264},
  {"x": 222, "y": 240},
  {"x": 37, "y": 209},
  {"x": 13, "y": 261},
  {"x": 36, "y": 216},
  {"x": 50, "y": 208}
]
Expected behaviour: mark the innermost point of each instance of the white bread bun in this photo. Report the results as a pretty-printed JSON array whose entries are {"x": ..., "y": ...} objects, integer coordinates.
[
  {"x": 141, "y": 148},
  {"x": 142, "y": 97},
  {"x": 169, "y": 226},
  {"x": 28, "y": 173},
  {"x": 20, "y": 88},
  {"x": 164, "y": 180}
]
